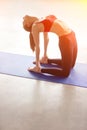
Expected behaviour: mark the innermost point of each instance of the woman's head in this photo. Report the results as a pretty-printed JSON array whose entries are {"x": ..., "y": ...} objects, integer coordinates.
[
  {"x": 27, "y": 25},
  {"x": 28, "y": 21}
]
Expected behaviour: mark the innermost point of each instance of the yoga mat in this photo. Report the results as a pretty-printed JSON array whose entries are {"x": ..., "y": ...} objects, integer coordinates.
[{"x": 17, "y": 65}]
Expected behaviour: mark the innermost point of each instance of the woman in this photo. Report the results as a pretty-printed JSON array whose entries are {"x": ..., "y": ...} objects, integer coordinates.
[{"x": 67, "y": 44}]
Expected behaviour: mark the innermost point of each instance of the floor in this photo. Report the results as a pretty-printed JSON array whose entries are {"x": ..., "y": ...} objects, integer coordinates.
[{"x": 27, "y": 104}]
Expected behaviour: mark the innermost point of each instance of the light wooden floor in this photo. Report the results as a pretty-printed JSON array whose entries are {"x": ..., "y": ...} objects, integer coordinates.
[{"x": 27, "y": 104}]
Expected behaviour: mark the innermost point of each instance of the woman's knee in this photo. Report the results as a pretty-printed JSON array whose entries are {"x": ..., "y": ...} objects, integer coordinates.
[{"x": 66, "y": 73}]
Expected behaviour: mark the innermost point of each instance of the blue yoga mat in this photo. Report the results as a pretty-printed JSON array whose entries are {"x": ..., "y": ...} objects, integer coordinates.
[{"x": 17, "y": 65}]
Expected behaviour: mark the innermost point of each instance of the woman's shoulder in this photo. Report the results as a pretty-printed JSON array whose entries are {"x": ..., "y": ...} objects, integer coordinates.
[{"x": 38, "y": 25}]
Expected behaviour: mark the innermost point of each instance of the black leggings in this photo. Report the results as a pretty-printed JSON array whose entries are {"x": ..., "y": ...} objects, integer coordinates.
[{"x": 68, "y": 49}]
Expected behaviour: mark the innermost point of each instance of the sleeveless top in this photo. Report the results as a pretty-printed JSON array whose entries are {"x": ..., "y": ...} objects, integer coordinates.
[{"x": 47, "y": 22}]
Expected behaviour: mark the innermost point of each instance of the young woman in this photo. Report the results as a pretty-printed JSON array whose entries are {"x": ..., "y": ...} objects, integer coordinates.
[{"x": 67, "y": 44}]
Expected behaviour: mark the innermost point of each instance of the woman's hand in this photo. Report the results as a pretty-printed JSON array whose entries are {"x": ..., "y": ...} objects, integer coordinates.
[
  {"x": 35, "y": 69},
  {"x": 43, "y": 60}
]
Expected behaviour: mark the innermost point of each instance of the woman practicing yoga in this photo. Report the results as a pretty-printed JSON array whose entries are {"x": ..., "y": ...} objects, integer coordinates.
[{"x": 67, "y": 44}]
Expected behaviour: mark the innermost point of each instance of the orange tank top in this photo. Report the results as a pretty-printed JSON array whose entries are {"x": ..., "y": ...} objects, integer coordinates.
[{"x": 47, "y": 22}]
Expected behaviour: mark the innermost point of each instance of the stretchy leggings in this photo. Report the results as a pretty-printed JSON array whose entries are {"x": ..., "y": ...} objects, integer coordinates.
[{"x": 68, "y": 49}]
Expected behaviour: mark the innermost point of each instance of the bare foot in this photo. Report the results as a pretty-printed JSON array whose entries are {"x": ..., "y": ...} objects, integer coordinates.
[{"x": 35, "y": 69}]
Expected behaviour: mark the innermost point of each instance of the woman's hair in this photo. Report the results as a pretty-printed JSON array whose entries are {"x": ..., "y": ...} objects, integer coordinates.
[
  {"x": 27, "y": 28},
  {"x": 32, "y": 43}
]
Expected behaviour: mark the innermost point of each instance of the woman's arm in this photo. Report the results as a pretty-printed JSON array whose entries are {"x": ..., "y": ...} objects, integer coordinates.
[
  {"x": 46, "y": 40},
  {"x": 44, "y": 59},
  {"x": 35, "y": 33}
]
